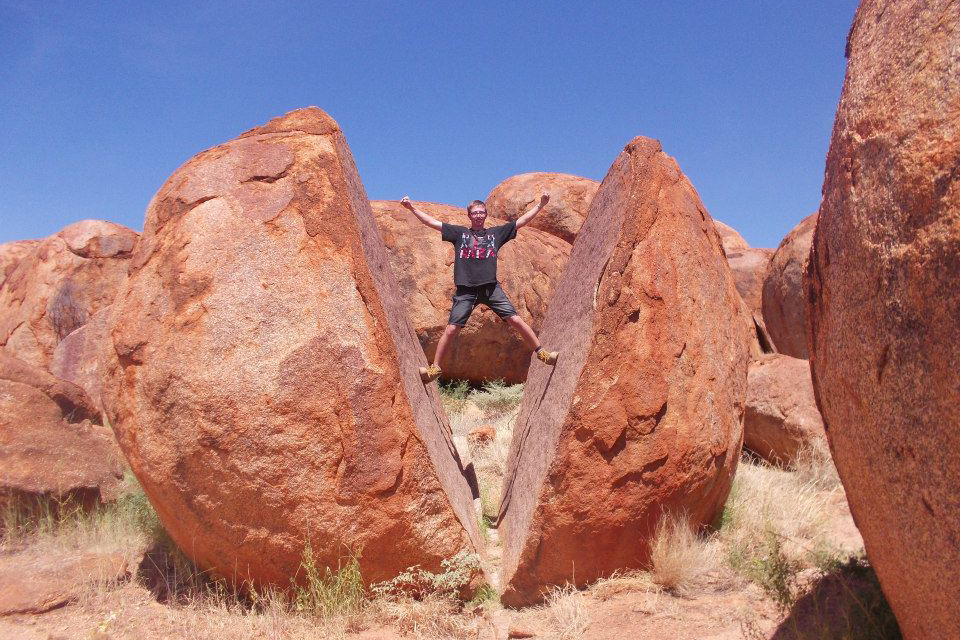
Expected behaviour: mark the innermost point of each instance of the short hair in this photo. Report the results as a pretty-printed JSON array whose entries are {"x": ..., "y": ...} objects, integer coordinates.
[{"x": 476, "y": 203}]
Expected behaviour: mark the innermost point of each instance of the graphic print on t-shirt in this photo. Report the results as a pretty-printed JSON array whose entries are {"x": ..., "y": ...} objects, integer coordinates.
[{"x": 474, "y": 246}]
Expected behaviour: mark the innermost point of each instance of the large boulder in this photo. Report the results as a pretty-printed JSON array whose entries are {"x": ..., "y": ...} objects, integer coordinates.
[
  {"x": 784, "y": 305},
  {"x": 487, "y": 348},
  {"x": 749, "y": 266},
  {"x": 59, "y": 284},
  {"x": 884, "y": 304},
  {"x": 51, "y": 442},
  {"x": 781, "y": 416},
  {"x": 261, "y": 373},
  {"x": 11, "y": 253},
  {"x": 730, "y": 238},
  {"x": 76, "y": 358},
  {"x": 642, "y": 414},
  {"x": 570, "y": 198}
]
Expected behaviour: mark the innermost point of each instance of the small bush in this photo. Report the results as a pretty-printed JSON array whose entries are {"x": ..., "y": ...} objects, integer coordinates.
[
  {"x": 326, "y": 593},
  {"x": 453, "y": 395},
  {"x": 497, "y": 398},
  {"x": 678, "y": 556},
  {"x": 418, "y": 583},
  {"x": 567, "y": 612}
]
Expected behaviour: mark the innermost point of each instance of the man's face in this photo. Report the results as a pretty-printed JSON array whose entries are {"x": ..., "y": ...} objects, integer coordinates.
[{"x": 478, "y": 215}]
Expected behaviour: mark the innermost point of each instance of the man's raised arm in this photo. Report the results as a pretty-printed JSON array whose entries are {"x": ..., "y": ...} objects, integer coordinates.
[
  {"x": 426, "y": 219},
  {"x": 528, "y": 216}
]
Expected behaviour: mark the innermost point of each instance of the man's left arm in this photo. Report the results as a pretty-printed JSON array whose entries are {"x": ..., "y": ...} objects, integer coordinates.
[{"x": 528, "y": 216}]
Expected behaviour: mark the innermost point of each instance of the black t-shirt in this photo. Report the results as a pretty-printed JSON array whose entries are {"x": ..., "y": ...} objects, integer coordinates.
[{"x": 475, "y": 252}]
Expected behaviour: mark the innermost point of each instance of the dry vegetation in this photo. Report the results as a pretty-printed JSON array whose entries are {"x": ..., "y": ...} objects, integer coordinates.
[{"x": 776, "y": 534}]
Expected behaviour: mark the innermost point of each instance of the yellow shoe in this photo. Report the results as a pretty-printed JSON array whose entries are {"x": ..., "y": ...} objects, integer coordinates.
[
  {"x": 429, "y": 374},
  {"x": 547, "y": 357}
]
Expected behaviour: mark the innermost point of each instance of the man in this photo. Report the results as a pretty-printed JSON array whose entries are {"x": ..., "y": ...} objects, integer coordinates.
[{"x": 475, "y": 276}]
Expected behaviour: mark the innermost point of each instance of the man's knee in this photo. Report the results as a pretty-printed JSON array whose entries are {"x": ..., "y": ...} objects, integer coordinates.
[{"x": 452, "y": 330}]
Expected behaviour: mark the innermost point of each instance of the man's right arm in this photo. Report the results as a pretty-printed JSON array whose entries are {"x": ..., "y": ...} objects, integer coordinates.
[{"x": 426, "y": 219}]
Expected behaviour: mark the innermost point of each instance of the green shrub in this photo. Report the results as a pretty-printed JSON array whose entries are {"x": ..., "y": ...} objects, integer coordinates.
[
  {"x": 325, "y": 593},
  {"x": 418, "y": 583}
]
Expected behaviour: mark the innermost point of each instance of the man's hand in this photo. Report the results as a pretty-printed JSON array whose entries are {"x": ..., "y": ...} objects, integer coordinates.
[
  {"x": 544, "y": 199},
  {"x": 426, "y": 219},
  {"x": 405, "y": 202},
  {"x": 528, "y": 216}
]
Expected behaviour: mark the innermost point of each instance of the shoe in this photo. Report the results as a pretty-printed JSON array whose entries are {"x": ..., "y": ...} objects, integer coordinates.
[
  {"x": 547, "y": 357},
  {"x": 429, "y": 374}
]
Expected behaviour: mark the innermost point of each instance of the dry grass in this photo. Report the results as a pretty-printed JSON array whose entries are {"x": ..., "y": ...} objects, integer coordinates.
[
  {"x": 679, "y": 557},
  {"x": 567, "y": 612}
]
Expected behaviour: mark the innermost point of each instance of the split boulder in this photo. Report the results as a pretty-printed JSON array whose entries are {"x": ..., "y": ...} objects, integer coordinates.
[
  {"x": 262, "y": 373},
  {"x": 884, "y": 304},
  {"x": 642, "y": 414},
  {"x": 487, "y": 348}
]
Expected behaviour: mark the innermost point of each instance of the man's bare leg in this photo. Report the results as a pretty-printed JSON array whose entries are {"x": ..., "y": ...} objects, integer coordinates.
[
  {"x": 428, "y": 374},
  {"x": 531, "y": 340}
]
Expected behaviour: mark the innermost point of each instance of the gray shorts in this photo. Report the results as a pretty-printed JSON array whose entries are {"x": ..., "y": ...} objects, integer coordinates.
[{"x": 466, "y": 298}]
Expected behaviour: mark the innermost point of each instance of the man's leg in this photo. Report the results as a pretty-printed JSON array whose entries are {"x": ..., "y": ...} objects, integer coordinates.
[
  {"x": 502, "y": 306},
  {"x": 526, "y": 333},
  {"x": 449, "y": 335}
]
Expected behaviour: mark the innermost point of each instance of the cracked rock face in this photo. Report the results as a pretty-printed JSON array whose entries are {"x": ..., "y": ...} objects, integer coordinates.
[
  {"x": 642, "y": 413},
  {"x": 883, "y": 288},
  {"x": 782, "y": 297},
  {"x": 59, "y": 284},
  {"x": 730, "y": 238},
  {"x": 262, "y": 376},
  {"x": 781, "y": 414},
  {"x": 51, "y": 442},
  {"x": 528, "y": 268},
  {"x": 570, "y": 198}
]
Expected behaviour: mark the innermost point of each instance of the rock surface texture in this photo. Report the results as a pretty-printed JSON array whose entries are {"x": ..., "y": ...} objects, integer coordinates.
[
  {"x": 781, "y": 415},
  {"x": 643, "y": 412},
  {"x": 487, "y": 348},
  {"x": 749, "y": 267},
  {"x": 57, "y": 286},
  {"x": 570, "y": 198},
  {"x": 11, "y": 253},
  {"x": 784, "y": 303},
  {"x": 885, "y": 304},
  {"x": 262, "y": 374},
  {"x": 51, "y": 445}
]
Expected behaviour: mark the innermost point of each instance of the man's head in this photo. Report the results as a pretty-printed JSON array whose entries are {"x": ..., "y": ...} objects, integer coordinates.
[{"x": 477, "y": 211}]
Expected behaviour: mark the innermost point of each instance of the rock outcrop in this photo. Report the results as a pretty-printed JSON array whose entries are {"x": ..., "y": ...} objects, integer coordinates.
[
  {"x": 730, "y": 238},
  {"x": 784, "y": 304},
  {"x": 642, "y": 414},
  {"x": 884, "y": 304},
  {"x": 51, "y": 445},
  {"x": 781, "y": 416},
  {"x": 11, "y": 253},
  {"x": 749, "y": 267},
  {"x": 262, "y": 373},
  {"x": 76, "y": 358},
  {"x": 487, "y": 348},
  {"x": 57, "y": 286},
  {"x": 570, "y": 198}
]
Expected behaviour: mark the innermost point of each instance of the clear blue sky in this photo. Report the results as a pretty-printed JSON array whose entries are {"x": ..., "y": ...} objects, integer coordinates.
[{"x": 101, "y": 101}]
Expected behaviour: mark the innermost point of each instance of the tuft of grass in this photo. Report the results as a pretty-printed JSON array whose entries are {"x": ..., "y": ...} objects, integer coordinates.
[
  {"x": 418, "y": 583},
  {"x": 567, "y": 611},
  {"x": 678, "y": 556},
  {"x": 326, "y": 593}
]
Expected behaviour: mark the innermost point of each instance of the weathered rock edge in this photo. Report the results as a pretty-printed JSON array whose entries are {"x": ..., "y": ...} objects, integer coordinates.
[
  {"x": 246, "y": 454},
  {"x": 883, "y": 294},
  {"x": 643, "y": 412}
]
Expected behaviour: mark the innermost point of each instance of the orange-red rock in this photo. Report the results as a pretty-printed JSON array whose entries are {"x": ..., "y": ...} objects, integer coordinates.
[
  {"x": 781, "y": 416},
  {"x": 570, "y": 198},
  {"x": 884, "y": 304},
  {"x": 484, "y": 434},
  {"x": 76, "y": 358},
  {"x": 262, "y": 373},
  {"x": 11, "y": 253},
  {"x": 642, "y": 413},
  {"x": 57, "y": 286},
  {"x": 51, "y": 445},
  {"x": 487, "y": 348},
  {"x": 730, "y": 237},
  {"x": 784, "y": 306}
]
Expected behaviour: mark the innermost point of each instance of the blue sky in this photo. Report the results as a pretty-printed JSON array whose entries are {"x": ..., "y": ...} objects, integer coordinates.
[{"x": 101, "y": 102}]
